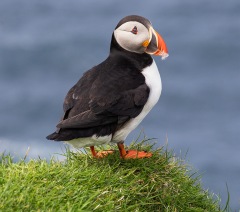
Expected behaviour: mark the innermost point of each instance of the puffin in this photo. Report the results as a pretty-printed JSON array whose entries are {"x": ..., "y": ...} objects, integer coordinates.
[{"x": 111, "y": 99}]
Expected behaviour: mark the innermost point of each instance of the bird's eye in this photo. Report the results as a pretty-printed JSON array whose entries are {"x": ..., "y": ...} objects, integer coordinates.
[{"x": 134, "y": 30}]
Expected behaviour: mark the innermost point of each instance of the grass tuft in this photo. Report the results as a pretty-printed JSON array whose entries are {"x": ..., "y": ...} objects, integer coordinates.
[{"x": 81, "y": 183}]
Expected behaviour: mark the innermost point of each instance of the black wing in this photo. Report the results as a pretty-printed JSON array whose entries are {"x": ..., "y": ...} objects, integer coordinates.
[{"x": 106, "y": 94}]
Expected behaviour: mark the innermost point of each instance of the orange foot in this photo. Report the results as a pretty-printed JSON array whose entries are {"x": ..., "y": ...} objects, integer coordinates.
[
  {"x": 100, "y": 154},
  {"x": 104, "y": 153},
  {"x": 134, "y": 154}
]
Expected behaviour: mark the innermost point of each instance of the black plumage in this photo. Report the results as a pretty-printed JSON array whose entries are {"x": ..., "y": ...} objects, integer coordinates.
[{"x": 106, "y": 97}]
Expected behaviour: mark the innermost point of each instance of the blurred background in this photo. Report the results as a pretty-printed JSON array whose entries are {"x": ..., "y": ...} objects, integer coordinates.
[{"x": 46, "y": 46}]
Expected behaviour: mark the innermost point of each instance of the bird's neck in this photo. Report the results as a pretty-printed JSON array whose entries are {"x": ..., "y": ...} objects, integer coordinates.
[{"x": 142, "y": 59}]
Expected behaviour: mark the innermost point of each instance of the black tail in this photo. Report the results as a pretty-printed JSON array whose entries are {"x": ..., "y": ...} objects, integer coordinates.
[
  {"x": 54, "y": 136},
  {"x": 65, "y": 135},
  {"x": 73, "y": 133}
]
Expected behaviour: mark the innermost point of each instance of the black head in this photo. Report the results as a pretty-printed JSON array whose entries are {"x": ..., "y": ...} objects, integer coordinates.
[{"x": 135, "y": 34}]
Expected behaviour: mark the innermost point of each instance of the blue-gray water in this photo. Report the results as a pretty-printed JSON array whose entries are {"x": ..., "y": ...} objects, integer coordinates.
[{"x": 45, "y": 46}]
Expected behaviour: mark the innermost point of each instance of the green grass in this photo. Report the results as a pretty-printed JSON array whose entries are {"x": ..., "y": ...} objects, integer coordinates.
[{"x": 81, "y": 183}]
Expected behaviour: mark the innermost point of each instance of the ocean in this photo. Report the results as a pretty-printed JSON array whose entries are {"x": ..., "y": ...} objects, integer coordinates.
[{"x": 46, "y": 46}]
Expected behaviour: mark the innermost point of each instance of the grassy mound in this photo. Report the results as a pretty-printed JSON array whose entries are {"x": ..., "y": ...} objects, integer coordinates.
[{"x": 81, "y": 183}]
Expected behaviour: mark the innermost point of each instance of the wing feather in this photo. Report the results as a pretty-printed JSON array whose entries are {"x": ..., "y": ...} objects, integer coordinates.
[{"x": 97, "y": 100}]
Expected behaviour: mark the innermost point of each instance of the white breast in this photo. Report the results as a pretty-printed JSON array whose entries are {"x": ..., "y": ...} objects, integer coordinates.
[{"x": 153, "y": 81}]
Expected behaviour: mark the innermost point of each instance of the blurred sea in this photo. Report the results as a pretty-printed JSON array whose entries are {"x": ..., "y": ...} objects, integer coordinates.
[{"x": 45, "y": 46}]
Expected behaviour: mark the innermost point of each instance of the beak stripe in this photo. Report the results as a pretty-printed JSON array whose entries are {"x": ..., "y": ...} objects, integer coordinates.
[{"x": 157, "y": 46}]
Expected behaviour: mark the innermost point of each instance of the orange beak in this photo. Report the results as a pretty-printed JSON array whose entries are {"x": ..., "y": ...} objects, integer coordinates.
[{"x": 157, "y": 45}]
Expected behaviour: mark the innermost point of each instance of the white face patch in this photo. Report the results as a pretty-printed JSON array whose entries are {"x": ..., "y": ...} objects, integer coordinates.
[{"x": 131, "y": 36}]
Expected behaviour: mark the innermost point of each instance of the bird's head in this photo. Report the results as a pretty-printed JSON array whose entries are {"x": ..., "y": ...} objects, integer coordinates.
[{"x": 136, "y": 34}]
